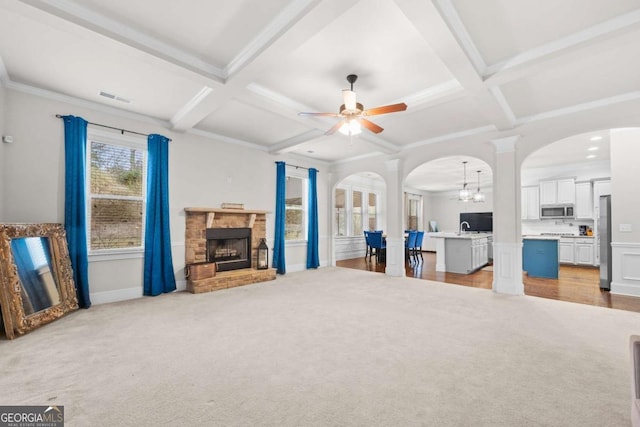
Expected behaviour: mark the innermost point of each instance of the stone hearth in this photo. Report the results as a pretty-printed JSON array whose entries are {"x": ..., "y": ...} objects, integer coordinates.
[{"x": 197, "y": 222}]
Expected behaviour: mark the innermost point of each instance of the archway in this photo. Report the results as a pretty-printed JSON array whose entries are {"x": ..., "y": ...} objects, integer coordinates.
[
  {"x": 580, "y": 167},
  {"x": 358, "y": 205},
  {"x": 438, "y": 182}
]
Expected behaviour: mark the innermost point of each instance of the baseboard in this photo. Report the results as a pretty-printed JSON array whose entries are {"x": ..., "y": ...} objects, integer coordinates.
[
  {"x": 106, "y": 297},
  {"x": 625, "y": 289}
]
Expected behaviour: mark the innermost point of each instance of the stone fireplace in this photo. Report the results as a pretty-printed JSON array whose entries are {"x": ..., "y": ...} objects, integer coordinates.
[{"x": 230, "y": 238}]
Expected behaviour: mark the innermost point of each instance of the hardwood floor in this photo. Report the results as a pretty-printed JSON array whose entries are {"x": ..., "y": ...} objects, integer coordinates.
[{"x": 575, "y": 284}]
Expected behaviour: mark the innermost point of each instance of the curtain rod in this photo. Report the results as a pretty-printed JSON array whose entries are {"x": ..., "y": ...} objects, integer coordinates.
[
  {"x": 297, "y": 167},
  {"x": 122, "y": 131}
]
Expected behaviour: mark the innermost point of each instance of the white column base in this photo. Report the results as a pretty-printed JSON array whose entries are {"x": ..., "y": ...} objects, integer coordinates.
[
  {"x": 507, "y": 268},
  {"x": 625, "y": 266},
  {"x": 395, "y": 257}
]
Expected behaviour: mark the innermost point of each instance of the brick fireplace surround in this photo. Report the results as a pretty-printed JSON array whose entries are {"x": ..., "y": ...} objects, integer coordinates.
[{"x": 198, "y": 220}]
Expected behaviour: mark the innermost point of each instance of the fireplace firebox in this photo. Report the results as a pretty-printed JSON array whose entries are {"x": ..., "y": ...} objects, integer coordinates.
[{"x": 229, "y": 248}]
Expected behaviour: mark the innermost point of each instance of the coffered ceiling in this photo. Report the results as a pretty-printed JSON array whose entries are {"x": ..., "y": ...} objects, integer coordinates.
[{"x": 240, "y": 71}]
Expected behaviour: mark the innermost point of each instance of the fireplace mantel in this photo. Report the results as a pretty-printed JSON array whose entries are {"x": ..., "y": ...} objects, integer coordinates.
[{"x": 198, "y": 220}]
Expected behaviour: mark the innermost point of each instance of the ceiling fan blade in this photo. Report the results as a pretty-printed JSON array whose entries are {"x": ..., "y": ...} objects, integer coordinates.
[
  {"x": 386, "y": 109},
  {"x": 334, "y": 128},
  {"x": 371, "y": 126},
  {"x": 320, "y": 114}
]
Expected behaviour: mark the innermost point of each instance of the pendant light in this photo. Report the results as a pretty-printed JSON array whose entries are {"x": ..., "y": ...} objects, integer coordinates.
[
  {"x": 464, "y": 195},
  {"x": 478, "y": 197}
]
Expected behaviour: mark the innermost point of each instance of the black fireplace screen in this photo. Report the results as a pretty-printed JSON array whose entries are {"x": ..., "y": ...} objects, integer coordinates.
[{"x": 229, "y": 248}]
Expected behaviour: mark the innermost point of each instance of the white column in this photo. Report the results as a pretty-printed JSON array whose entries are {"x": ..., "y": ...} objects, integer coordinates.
[
  {"x": 507, "y": 242},
  {"x": 395, "y": 209}
]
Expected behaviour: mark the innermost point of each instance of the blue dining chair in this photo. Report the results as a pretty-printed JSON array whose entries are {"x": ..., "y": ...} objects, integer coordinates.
[
  {"x": 418, "y": 245},
  {"x": 377, "y": 242},
  {"x": 368, "y": 247},
  {"x": 410, "y": 243}
]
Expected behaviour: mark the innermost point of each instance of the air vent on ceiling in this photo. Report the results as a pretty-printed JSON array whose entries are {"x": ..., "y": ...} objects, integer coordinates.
[{"x": 114, "y": 97}]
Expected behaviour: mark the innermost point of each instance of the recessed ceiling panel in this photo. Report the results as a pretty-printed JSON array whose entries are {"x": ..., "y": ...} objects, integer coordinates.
[
  {"x": 85, "y": 66},
  {"x": 453, "y": 116},
  {"x": 372, "y": 39},
  {"x": 501, "y": 29},
  {"x": 613, "y": 71},
  {"x": 251, "y": 124},
  {"x": 335, "y": 148},
  {"x": 215, "y": 31}
]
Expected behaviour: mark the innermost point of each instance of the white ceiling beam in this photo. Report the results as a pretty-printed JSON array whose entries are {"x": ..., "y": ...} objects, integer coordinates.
[
  {"x": 310, "y": 19},
  {"x": 291, "y": 143},
  {"x": 577, "y": 108}
]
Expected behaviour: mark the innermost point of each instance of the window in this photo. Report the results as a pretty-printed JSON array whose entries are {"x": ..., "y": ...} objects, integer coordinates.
[
  {"x": 414, "y": 202},
  {"x": 341, "y": 212},
  {"x": 295, "y": 202},
  {"x": 356, "y": 209},
  {"x": 116, "y": 191},
  {"x": 356, "y": 213},
  {"x": 373, "y": 220}
]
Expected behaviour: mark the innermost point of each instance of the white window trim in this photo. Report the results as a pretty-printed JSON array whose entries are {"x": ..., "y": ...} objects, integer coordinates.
[{"x": 130, "y": 141}]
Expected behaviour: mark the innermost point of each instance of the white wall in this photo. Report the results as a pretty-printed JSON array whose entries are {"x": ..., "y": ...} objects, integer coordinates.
[
  {"x": 3, "y": 96},
  {"x": 625, "y": 204},
  {"x": 203, "y": 173},
  {"x": 446, "y": 209},
  {"x": 625, "y": 212}
]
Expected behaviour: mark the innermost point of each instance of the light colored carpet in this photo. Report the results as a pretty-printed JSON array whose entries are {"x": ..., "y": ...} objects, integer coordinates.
[{"x": 333, "y": 347}]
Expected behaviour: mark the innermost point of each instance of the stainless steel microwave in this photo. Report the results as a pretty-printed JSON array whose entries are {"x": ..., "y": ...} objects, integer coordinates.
[{"x": 557, "y": 211}]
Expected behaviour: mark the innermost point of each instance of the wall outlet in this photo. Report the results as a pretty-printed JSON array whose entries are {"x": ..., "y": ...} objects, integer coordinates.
[{"x": 625, "y": 228}]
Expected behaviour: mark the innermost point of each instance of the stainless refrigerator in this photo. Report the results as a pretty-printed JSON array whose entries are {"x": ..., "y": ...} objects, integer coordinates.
[{"x": 604, "y": 235}]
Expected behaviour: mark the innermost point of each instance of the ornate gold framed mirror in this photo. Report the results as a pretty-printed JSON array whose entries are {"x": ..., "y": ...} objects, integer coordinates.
[{"x": 37, "y": 284}]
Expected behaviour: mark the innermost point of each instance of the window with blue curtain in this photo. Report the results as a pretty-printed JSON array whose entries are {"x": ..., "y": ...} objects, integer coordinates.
[
  {"x": 313, "y": 258},
  {"x": 279, "y": 262},
  {"x": 158, "y": 262}
]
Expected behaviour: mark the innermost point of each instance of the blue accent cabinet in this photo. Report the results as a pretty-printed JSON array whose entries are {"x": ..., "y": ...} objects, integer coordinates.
[{"x": 540, "y": 257}]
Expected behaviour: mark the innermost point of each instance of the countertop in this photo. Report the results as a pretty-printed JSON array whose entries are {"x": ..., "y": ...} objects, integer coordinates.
[
  {"x": 553, "y": 237},
  {"x": 453, "y": 235}
]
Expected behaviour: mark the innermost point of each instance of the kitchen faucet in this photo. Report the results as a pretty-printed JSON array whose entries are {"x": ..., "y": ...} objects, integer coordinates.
[{"x": 462, "y": 228}]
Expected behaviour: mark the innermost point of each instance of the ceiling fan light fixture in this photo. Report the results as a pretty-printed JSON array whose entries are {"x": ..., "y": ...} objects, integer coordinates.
[
  {"x": 349, "y": 98},
  {"x": 350, "y": 127}
]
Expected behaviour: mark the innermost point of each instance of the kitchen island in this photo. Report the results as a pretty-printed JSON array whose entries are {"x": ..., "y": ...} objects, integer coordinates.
[
  {"x": 461, "y": 253},
  {"x": 540, "y": 256}
]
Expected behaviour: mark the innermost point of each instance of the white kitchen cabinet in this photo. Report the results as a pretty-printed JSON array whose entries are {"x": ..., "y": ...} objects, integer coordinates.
[
  {"x": 566, "y": 250},
  {"x": 561, "y": 191},
  {"x": 530, "y": 204},
  {"x": 584, "y": 251},
  {"x": 566, "y": 191},
  {"x": 465, "y": 255},
  {"x": 584, "y": 202},
  {"x": 548, "y": 192}
]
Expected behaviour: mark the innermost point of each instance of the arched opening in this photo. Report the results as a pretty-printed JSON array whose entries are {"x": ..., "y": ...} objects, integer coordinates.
[
  {"x": 457, "y": 203},
  {"x": 431, "y": 205},
  {"x": 358, "y": 206},
  {"x": 566, "y": 189}
]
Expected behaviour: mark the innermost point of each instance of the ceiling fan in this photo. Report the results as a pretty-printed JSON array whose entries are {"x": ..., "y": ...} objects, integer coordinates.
[{"x": 353, "y": 113}]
